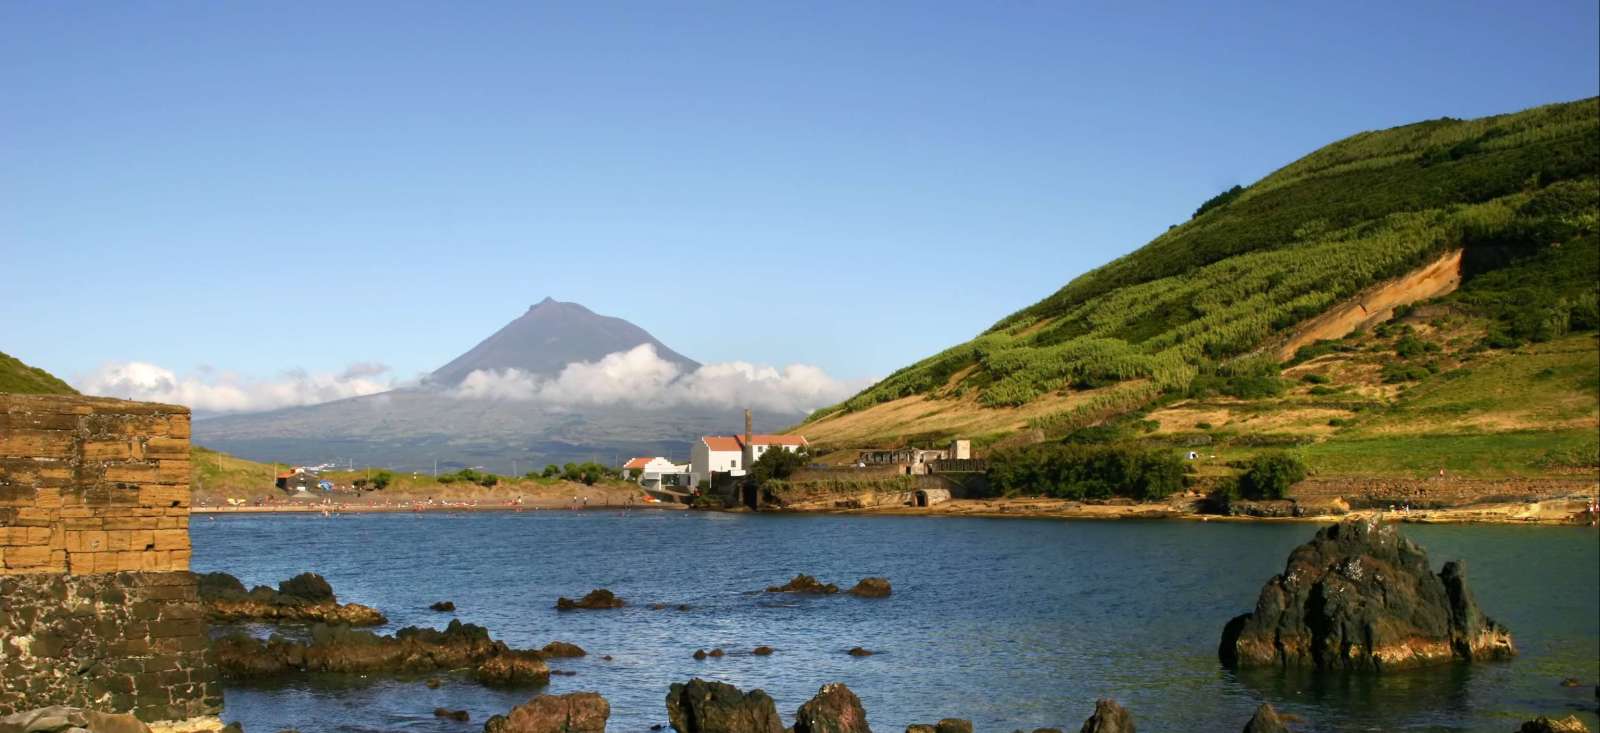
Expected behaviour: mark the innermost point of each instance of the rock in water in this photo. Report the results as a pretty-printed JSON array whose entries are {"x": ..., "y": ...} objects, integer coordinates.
[
  {"x": 948, "y": 725},
  {"x": 803, "y": 583},
  {"x": 562, "y": 649},
  {"x": 1359, "y": 596},
  {"x": 1266, "y": 720},
  {"x": 1109, "y": 717},
  {"x": 872, "y": 588},
  {"x": 718, "y": 707},
  {"x": 1569, "y": 724},
  {"x": 444, "y": 606},
  {"x": 308, "y": 587},
  {"x": 596, "y": 599},
  {"x": 835, "y": 709},
  {"x": 574, "y": 712}
]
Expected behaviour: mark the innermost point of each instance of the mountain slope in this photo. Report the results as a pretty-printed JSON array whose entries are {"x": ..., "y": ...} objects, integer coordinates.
[
  {"x": 413, "y": 427},
  {"x": 20, "y": 378},
  {"x": 551, "y": 335},
  {"x": 1204, "y": 306}
]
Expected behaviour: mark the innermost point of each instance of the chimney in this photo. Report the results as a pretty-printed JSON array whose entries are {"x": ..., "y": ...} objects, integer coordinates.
[{"x": 749, "y": 436}]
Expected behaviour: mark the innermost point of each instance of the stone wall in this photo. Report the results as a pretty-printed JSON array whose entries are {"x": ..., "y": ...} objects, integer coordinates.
[
  {"x": 92, "y": 485},
  {"x": 97, "y": 607},
  {"x": 114, "y": 642}
]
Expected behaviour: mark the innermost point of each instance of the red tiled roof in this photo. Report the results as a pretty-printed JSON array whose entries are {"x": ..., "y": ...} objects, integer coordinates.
[
  {"x": 721, "y": 442},
  {"x": 639, "y": 462}
]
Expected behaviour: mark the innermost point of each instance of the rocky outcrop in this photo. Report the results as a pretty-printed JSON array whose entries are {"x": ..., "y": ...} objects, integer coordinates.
[
  {"x": 872, "y": 588},
  {"x": 834, "y": 709},
  {"x": 561, "y": 649},
  {"x": 701, "y": 706},
  {"x": 411, "y": 650},
  {"x": 1569, "y": 724},
  {"x": 574, "y": 712},
  {"x": 1109, "y": 717},
  {"x": 1266, "y": 720},
  {"x": 803, "y": 583},
  {"x": 1359, "y": 596},
  {"x": 63, "y": 719},
  {"x": 443, "y": 606},
  {"x": 596, "y": 599},
  {"x": 304, "y": 598},
  {"x": 948, "y": 725}
]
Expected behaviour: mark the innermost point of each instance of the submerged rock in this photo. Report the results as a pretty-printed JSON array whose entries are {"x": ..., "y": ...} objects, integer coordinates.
[
  {"x": 1359, "y": 596},
  {"x": 574, "y": 712},
  {"x": 1108, "y": 717},
  {"x": 443, "y": 606},
  {"x": 948, "y": 725},
  {"x": 761, "y": 651},
  {"x": 306, "y": 597},
  {"x": 701, "y": 706},
  {"x": 557, "y": 649},
  {"x": 596, "y": 599},
  {"x": 857, "y": 651},
  {"x": 834, "y": 709},
  {"x": 1266, "y": 720},
  {"x": 448, "y": 714},
  {"x": 410, "y": 650},
  {"x": 803, "y": 583},
  {"x": 872, "y": 588}
]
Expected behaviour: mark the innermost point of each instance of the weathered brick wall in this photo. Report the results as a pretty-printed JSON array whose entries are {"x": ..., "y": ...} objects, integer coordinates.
[
  {"x": 114, "y": 642},
  {"x": 97, "y": 607},
  {"x": 92, "y": 485}
]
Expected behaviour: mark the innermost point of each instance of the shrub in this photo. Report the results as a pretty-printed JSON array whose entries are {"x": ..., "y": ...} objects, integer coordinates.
[
  {"x": 1072, "y": 471},
  {"x": 1397, "y": 373},
  {"x": 1221, "y": 199},
  {"x": 1269, "y": 475},
  {"x": 1202, "y": 425},
  {"x": 777, "y": 463},
  {"x": 1314, "y": 378},
  {"x": 1322, "y": 390}
]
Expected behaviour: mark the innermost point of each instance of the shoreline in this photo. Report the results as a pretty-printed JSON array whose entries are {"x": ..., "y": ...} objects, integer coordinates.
[{"x": 1542, "y": 513}]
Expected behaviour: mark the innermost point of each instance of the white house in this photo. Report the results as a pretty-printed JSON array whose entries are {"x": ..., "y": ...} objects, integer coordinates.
[
  {"x": 650, "y": 471},
  {"x": 732, "y": 455}
]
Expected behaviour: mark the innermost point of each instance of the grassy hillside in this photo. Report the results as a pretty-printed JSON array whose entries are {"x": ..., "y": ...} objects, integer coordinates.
[
  {"x": 18, "y": 377},
  {"x": 1194, "y": 315}
]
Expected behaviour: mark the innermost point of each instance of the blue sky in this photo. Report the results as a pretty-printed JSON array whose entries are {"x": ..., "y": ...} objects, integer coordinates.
[{"x": 271, "y": 186}]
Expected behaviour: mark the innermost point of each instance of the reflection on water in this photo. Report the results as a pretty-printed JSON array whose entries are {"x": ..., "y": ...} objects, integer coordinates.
[{"x": 1012, "y": 623}]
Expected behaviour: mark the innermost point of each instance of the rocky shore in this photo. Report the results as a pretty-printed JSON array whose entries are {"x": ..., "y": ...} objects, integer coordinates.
[
  {"x": 410, "y": 650},
  {"x": 304, "y": 598}
]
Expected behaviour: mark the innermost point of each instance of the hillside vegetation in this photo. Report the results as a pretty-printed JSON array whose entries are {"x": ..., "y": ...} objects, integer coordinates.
[
  {"x": 1192, "y": 319},
  {"x": 20, "y": 378}
]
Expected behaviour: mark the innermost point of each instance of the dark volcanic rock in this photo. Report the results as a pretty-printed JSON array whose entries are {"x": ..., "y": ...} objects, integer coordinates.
[
  {"x": 304, "y": 598},
  {"x": 449, "y": 714},
  {"x": 857, "y": 651},
  {"x": 308, "y": 587},
  {"x": 1360, "y": 596},
  {"x": 717, "y": 707},
  {"x": 562, "y": 649},
  {"x": 574, "y": 712},
  {"x": 1266, "y": 720},
  {"x": 872, "y": 588},
  {"x": 443, "y": 606},
  {"x": 1569, "y": 724},
  {"x": 834, "y": 709},
  {"x": 1109, "y": 717},
  {"x": 804, "y": 584},
  {"x": 948, "y": 725},
  {"x": 596, "y": 599},
  {"x": 761, "y": 651},
  {"x": 411, "y": 650}
]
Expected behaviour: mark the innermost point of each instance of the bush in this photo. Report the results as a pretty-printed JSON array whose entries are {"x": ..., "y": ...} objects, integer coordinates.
[
  {"x": 1202, "y": 425},
  {"x": 1315, "y": 379},
  {"x": 1396, "y": 373},
  {"x": 1409, "y": 346},
  {"x": 1269, "y": 476},
  {"x": 1073, "y": 471},
  {"x": 778, "y": 463},
  {"x": 1221, "y": 199}
]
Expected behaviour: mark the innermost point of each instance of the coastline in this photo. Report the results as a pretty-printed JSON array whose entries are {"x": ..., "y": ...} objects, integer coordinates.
[{"x": 425, "y": 507}]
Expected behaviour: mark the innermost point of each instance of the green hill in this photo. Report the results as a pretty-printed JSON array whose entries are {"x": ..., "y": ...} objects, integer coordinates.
[
  {"x": 18, "y": 377},
  {"x": 1212, "y": 308}
]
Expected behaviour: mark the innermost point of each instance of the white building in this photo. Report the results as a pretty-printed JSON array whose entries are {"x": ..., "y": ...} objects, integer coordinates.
[
  {"x": 730, "y": 454},
  {"x": 651, "y": 471}
]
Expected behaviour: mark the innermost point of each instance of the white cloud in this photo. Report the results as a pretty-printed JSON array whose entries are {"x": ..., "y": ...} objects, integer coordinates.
[
  {"x": 211, "y": 391},
  {"x": 640, "y": 378}
]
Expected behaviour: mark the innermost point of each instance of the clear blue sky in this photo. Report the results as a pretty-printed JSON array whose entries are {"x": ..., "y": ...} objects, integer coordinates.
[{"x": 261, "y": 186}]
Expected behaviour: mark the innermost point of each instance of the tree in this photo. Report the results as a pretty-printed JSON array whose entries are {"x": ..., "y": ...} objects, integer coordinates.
[
  {"x": 551, "y": 471},
  {"x": 1269, "y": 476},
  {"x": 778, "y": 463}
]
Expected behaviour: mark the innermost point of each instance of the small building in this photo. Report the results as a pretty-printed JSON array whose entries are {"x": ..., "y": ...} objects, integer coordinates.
[
  {"x": 299, "y": 478},
  {"x": 732, "y": 454},
  {"x": 654, "y": 472}
]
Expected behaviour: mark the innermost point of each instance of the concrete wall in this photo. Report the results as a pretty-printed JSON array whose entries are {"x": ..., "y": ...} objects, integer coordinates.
[{"x": 97, "y": 608}]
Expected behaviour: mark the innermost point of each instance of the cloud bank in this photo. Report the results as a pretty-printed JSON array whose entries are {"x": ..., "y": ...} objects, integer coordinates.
[
  {"x": 211, "y": 391},
  {"x": 640, "y": 378}
]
